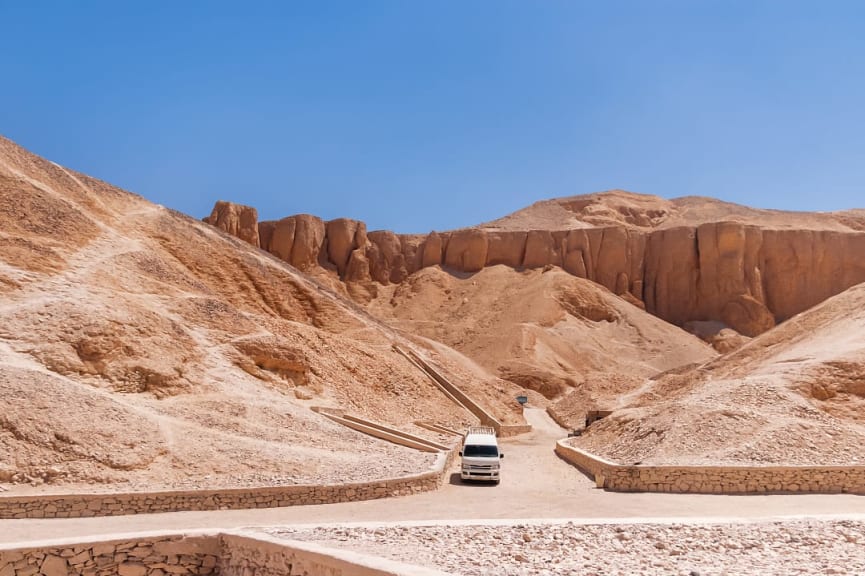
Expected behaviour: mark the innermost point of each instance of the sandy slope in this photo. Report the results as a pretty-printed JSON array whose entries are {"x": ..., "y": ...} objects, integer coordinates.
[
  {"x": 793, "y": 395},
  {"x": 544, "y": 330},
  {"x": 644, "y": 211},
  {"x": 141, "y": 347}
]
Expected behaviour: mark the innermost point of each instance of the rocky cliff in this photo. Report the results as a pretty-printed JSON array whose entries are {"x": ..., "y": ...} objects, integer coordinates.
[{"x": 740, "y": 273}]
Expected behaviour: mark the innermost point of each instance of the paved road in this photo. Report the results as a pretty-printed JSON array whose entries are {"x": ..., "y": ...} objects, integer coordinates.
[{"x": 535, "y": 484}]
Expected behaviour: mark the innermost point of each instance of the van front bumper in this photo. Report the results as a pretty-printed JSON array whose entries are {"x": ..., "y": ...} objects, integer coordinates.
[{"x": 479, "y": 473}]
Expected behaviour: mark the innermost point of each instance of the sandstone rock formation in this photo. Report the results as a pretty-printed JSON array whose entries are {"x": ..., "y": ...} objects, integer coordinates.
[
  {"x": 237, "y": 220},
  {"x": 686, "y": 260}
]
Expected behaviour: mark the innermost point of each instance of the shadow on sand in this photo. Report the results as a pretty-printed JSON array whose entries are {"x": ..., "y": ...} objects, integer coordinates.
[{"x": 456, "y": 481}]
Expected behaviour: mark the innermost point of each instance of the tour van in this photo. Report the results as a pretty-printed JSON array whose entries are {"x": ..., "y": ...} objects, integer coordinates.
[{"x": 480, "y": 455}]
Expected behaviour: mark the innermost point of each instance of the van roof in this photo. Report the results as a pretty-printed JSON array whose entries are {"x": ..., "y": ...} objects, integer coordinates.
[{"x": 481, "y": 439}]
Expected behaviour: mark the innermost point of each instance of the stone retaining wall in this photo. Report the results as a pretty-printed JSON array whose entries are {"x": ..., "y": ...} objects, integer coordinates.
[
  {"x": 715, "y": 479},
  {"x": 134, "y": 556},
  {"x": 486, "y": 419},
  {"x": 204, "y": 554},
  {"x": 262, "y": 555},
  {"x": 84, "y": 505}
]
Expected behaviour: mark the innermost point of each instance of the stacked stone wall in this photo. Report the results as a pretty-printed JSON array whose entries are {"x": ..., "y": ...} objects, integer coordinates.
[
  {"x": 261, "y": 555},
  {"x": 715, "y": 479},
  {"x": 204, "y": 554},
  {"x": 86, "y": 505},
  {"x": 145, "y": 556}
]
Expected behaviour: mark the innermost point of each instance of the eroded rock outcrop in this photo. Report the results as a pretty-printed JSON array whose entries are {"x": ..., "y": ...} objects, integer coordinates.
[
  {"x": 236, "y": 219},
  {"x": 745, "y": 276}
]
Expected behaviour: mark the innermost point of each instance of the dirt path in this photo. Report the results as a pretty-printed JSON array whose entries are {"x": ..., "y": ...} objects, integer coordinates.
[{"x": 535, "y": 484}]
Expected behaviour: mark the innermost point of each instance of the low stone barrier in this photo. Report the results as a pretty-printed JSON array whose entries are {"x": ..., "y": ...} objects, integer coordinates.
[
  {"x": 85, "y": 505},
  {"x": 142, "y": 555},
  {"x": 461, "y": 398},
  {"x": 715, "y": 479},
  {"x": 198, "y": 553},
  {"x": 263, "y": 555}
]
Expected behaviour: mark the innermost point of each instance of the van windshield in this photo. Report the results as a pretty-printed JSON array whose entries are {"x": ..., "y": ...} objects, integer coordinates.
[{"x": 479, "y": 450}]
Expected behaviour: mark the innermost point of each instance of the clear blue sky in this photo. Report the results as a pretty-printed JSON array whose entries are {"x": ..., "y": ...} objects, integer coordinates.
[{"x": 416, "y": 116}]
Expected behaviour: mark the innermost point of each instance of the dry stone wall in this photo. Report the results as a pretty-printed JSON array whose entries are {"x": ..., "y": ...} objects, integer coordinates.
[
  {"x": 262, "y": 555},
  {"x": 746, "y": 276},
  {"x": 205, "y": 554},
  {"x": 86, "y": 505},
  {"x": 715, "y": 479},
  {"x": 144, "y": 556}
]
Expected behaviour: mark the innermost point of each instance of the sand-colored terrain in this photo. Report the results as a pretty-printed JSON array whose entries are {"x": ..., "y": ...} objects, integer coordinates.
[
  {"x": 648, "y": 212},
  {"x": 141, "y": 349},
  {"x": 792, "y": 395},
  {"x": 544, "y": 330}
]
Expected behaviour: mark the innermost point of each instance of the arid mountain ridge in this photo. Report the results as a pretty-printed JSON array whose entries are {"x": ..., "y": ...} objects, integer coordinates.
[{"x": 683, "y": 260}]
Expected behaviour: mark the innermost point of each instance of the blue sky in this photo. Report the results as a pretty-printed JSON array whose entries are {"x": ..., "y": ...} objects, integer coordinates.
[{"x": 418, "y": 116}]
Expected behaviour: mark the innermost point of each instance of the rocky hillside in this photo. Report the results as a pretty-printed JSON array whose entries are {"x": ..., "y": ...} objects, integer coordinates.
[
  {"x": 542, "y": 329},
  {"x": 140, "y": 347},
  {"x": 795, "y": 394},
  {"x": 685, "y": 260}
]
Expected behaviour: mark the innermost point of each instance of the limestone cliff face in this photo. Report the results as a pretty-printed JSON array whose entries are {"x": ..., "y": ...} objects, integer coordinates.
[{"x": 741, "y": 274}]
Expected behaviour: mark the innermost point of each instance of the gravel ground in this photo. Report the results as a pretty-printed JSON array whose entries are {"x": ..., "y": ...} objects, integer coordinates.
[{"x": 788, "y": 547}]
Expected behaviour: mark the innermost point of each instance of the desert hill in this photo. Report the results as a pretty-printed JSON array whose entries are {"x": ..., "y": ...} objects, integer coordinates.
[
  {"x": 140, "y": 347},
  {"x": 512, "y": 295},
  {"x": 648, "y": 212},
  {"x": 542, "y": 329},
  {"x": 792, "y": 395},
  {"x": 686, "y": 260}
]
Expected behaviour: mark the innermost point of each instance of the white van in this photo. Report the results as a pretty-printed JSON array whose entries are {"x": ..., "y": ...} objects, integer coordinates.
[{"x": 480, "y": 455}]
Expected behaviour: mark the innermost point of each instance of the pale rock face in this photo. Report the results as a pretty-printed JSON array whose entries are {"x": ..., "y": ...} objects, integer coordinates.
[
  {"x": 737, "y": 273},
  {"x": 541, "y": 249},
  {"x": 433, "y": 249},
  {"x": 308, "y": 241},
  {"x": 506, "y": 248},
  {"x": 467, "y": 250},
  {"x": 344, "y": 236},
  {"x": 297, "y": 240},
  {"x": 237, "y": 220},
  {"x": 357, "y": 269},
  {"x": 386, "y": 260}
]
